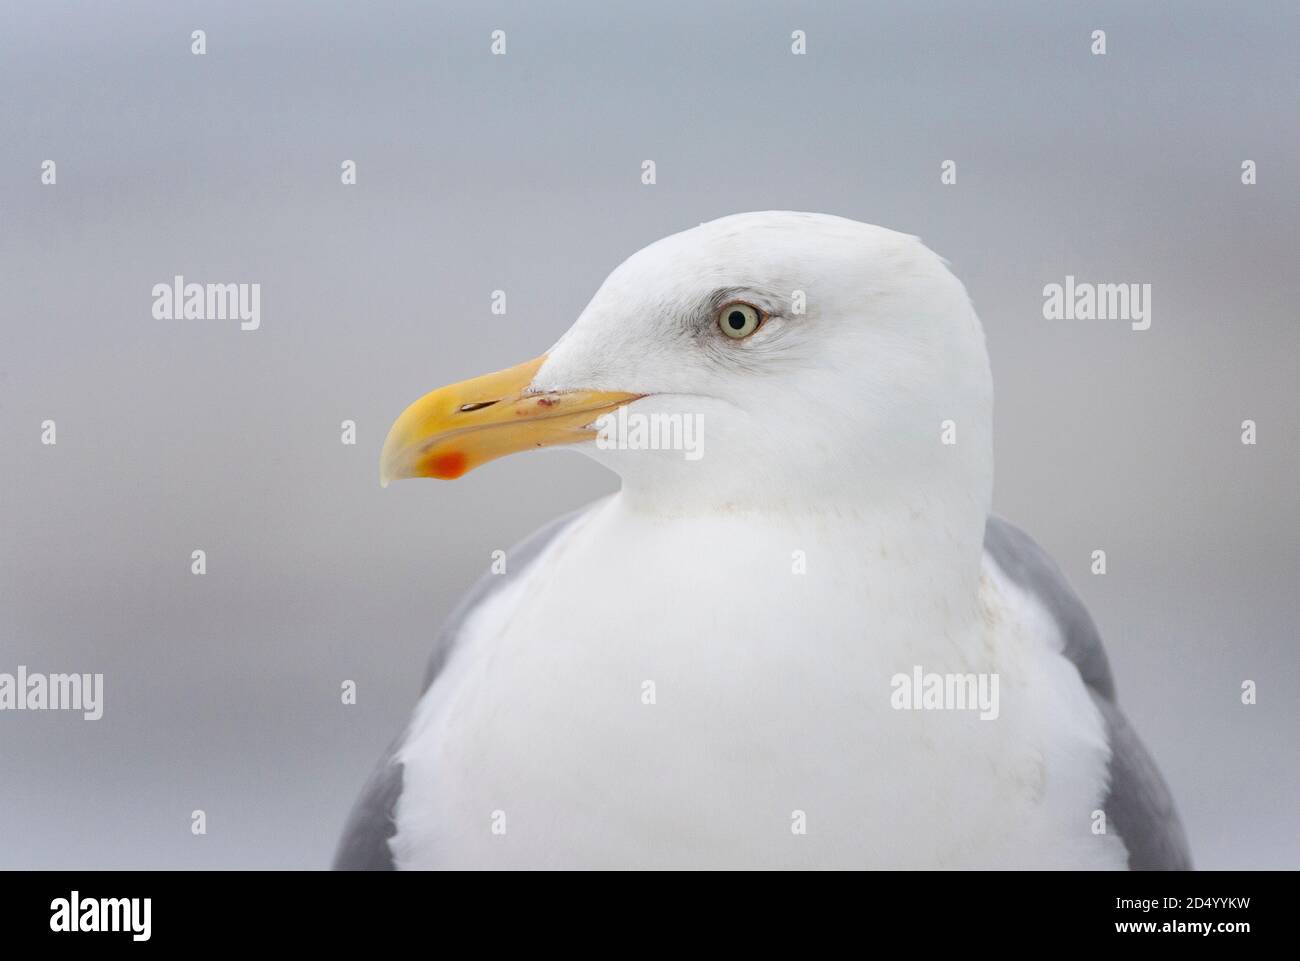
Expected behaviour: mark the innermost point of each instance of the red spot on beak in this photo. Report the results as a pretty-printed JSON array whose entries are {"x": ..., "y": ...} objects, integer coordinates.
[
  {"x": 448, "y": 466},
  {"x": 547, "y": 401}
]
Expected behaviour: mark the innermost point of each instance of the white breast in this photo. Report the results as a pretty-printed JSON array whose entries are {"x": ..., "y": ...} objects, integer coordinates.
[{"x": 771, "y": 710}]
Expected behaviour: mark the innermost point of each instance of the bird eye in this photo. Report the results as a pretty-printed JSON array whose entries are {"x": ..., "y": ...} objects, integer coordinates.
[{"x": 738, "y": 320}]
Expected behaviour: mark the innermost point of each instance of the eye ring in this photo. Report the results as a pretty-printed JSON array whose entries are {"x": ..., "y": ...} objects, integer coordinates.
[{"x": 738, "y": 319}]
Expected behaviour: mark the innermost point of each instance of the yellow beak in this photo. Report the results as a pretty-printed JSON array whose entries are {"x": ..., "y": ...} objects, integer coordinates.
[{"x": 456, "y": 428}]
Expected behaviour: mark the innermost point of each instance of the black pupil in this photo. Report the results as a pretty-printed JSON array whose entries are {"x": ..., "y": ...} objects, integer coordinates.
[{"x": 736, "y": 319}]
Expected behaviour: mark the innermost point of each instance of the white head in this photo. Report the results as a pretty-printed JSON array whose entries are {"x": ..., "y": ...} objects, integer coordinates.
[{"x": 854, "y": 346}]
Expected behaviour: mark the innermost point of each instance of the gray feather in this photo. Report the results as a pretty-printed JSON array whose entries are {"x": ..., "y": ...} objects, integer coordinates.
[
  {"x": 1139, "y": 806},
  {"x": 1029, "y": 567},
  {"x": 364, "y": 845}
]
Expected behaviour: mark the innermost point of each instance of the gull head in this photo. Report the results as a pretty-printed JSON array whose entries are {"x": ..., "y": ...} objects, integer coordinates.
[{"x": 762, "y": 360}]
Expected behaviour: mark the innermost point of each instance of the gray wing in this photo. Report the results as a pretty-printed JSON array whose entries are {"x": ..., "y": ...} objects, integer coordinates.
[
  {"x": 1139, "y": 805},
  {"x": 364, "y": 845}
]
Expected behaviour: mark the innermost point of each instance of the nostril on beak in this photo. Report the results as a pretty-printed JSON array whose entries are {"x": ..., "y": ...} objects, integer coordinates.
[{"x": 470, "y": 408}]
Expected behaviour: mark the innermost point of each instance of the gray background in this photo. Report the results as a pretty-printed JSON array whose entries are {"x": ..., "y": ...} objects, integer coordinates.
[{"x": 522, "y": 172}]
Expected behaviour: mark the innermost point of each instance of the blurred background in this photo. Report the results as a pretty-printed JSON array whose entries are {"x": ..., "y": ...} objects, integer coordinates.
[{"x": 522, "y": 172}]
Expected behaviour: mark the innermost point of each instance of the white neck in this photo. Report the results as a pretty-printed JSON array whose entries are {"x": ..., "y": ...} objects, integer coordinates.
[{"x": 864, "y": 559}]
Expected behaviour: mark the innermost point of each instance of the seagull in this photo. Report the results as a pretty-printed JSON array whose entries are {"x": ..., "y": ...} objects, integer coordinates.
[{"x": 713, "y": 667}]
